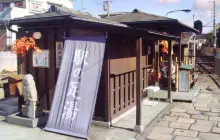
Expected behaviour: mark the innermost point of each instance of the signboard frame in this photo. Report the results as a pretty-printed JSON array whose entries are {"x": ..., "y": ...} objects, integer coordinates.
[{"x": 35, "y": 60}]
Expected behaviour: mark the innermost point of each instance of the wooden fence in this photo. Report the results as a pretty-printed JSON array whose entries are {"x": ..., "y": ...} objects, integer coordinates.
[{"x": 123, "y": 91}]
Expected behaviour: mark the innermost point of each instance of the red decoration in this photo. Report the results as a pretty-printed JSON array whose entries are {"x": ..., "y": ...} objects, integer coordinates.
[{"x": 21, "y": 46}]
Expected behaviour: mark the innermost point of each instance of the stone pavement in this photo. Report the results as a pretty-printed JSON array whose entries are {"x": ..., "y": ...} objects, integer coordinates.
[
  {"x": 190, "y": 121},
  {"x": 122, "y": 130},
  {"x": 199, "y": 120}
]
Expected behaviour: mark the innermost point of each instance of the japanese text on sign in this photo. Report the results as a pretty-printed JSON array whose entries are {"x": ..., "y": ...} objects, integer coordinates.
[
  {"x": 59, "y": 53},
  {"x": 70, "y": 108}
]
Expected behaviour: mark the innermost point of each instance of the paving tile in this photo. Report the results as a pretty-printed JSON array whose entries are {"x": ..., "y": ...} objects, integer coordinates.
[
  {"x": 211, "y": 114},
  {"x": 214, "y": 106},
  {"x": 193, "y": 112},
  {"x": 162, "y": 130},
  {"x": 218, "y": 124},
  {"x": 186, "y": 120},
  {"x": 179, "y": 125},
  {"x": 202, "y": 109},
  {"x": 200, "y": 128},
  {"x": 216, "y": 130},
  {"x": 185, "y": 138},
  {"x": 163, "y": 123},
  {"x": 168, "y": 118},
  {"x": 206, "y": 122},
  {"x": 187, "y": 133},
  {"x": 215, "y": 110},
  {"x": 179, "y": 114},
  {"x": 200, "y": 117},
  {"x": 200, "y": 105},
  {"x": 175, "y": 109},
  {"x": 158, "y": 136},
  {"x": 209, "y": 136},
  {"x": 184, "y": 105},
  {"x": 211, "y": 118}
]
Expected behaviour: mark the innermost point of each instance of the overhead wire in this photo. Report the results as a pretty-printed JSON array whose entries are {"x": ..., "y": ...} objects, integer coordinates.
[{"x": 96, "y": 4}]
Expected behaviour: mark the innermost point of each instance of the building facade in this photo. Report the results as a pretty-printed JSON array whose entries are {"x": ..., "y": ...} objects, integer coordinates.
[{"x": 10, "y": 9}]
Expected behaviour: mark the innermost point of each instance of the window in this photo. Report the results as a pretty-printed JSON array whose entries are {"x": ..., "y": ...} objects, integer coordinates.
[
  {"x": 1, "y": 7},
  {"x": 35, "y": 7},
  {"x": 6, "y": 5},
  {"x": 20, "y": 4}
]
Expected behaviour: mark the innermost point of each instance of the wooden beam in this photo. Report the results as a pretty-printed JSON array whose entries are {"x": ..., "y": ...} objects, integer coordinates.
[
  {"x": 157, "y": 59},
  {"x": 180, "y": 53},
  {"x": 170, "y": 47},
  {"x": 108, "y": 96},
  {"x": 51, "y": 74},
  {"x": 138, "y": 81},
  {"x": 147, "y": 67}
]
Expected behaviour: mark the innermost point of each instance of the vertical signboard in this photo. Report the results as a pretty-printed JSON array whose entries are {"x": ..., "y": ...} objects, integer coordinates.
[
  {"x": 77, "y": 86},
  {"x": 59, "y": 53}
]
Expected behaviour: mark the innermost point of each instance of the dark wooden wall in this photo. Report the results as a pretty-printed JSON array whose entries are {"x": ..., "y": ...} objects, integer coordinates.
[
  {"x": 46, "y": 78},
  {"x": 114, "y": 96},
  {"x": 123, "y": 73}
]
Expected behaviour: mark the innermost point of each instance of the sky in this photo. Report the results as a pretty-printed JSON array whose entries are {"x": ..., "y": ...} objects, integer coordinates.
[{"x": 202, "y": 9}]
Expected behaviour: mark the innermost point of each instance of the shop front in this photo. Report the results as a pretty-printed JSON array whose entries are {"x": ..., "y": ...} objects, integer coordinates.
[{"x": 125, "y": 66}]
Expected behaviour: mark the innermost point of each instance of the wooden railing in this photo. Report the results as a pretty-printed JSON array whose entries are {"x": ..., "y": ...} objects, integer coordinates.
[
  {"x": 123, "y": 91},
  {"x": 3, "y": 42}
]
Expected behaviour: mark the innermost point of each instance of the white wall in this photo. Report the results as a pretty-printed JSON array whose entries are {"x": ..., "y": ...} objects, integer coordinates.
[
  {"x": 17, "y": 13},
  {"x": 21, "y": 12},
  {"x": 8, "y": 61}
]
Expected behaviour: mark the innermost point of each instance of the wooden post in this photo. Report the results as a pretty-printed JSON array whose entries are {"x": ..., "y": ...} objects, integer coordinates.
[
  {"x": 177, "y": 77},
  {"x": 147, "y": 68},
  {"x": 170, "y": 47},
  {"x": 180, "y": 53},
  {"x": 138, "y": 127},
  {"x": 157, "y": 59},
  {"x": 108, "y": 97}
]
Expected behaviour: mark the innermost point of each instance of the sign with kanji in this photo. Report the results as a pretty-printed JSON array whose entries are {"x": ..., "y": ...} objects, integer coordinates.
[
  {"x": 35, "y": 6},
  {"x": 59, "y": 53},
  {"x": 77, "y": 86}
]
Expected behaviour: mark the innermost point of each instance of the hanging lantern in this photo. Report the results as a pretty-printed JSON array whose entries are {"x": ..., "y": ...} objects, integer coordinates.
[{"x": 37, "y": 35}]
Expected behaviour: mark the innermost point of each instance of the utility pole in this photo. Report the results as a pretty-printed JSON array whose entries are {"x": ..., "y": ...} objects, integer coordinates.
[
  {"x": 214, "y": 23},
  {"x": 108, "y": 8},
  {"x": 193, "y": 19},
  {"x": 82, "y": 4}
]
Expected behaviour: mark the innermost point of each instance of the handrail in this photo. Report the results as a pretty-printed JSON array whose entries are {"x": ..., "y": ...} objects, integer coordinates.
[
  {"x": 128, "y": 71},
  {"x": 3, "y": 35},
  {"x": 3, "y": 42}
]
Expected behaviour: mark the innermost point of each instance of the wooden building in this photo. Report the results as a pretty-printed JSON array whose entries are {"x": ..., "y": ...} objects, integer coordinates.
[
  {"x": 139, "y": 19},
  {"x": 124, "y": 72}
]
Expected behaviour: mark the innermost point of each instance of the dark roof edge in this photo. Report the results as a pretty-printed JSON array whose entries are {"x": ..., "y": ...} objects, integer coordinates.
[
  {"x": 19, "y": 21},
  {"x": 191, "y": 28},
  {"x": 152, "y": 21},
  {"x": 164, "y": 21}
]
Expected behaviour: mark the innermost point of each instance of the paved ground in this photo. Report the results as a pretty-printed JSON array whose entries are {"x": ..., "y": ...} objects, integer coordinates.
[
  {"x": 122, "y": 130},
  {"x": 178, "y": 121},
  {"x": 189, "y": 121}
]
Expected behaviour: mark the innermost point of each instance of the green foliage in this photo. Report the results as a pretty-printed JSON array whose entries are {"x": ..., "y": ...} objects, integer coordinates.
[{"x": 137, "y": 11}]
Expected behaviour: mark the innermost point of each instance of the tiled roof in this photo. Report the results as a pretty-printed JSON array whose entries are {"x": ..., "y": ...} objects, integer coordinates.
[
  {"x": 136, "y": 17},
  {"x": 63, "y": 11}
]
